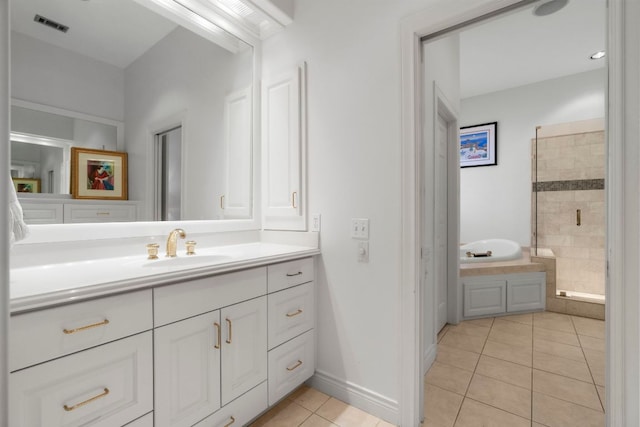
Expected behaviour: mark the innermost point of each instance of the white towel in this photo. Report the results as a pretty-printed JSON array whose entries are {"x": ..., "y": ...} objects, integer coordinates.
[{"x": 19, "y": 230}]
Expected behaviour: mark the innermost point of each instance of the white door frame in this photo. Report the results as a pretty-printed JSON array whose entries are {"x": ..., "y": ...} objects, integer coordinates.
[
  {"x": 623, "y": 202},
  {"x": 444, "y": 108},
  {"x": 5, "y": 95}
]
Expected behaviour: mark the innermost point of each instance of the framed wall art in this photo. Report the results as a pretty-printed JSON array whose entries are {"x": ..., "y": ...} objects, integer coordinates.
[
  {"x": 26, "y": 185},
  {"x": 98, "y": 174},
  {"x": 478, "y": 145}
]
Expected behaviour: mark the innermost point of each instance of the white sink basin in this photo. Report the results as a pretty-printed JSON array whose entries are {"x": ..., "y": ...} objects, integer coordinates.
[{"x": 186, "y": 261}]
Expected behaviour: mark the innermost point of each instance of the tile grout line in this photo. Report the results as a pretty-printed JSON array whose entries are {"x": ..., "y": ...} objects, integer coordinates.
[
  {"x": 588, "y": 366},
  {"x": 471, "y": 379},
  {"x": 533, "y": 320},
  {"x": 493, "y": 319}
]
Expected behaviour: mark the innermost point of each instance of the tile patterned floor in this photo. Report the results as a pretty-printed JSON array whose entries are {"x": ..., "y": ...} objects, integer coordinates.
[
  {"x": 540, "y": 369},
  {"x": 308, "y": 407},
  {"x": 533, "y": 370}
]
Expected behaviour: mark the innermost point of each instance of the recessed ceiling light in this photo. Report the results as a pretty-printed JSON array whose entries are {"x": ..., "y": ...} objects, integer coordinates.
[
  {"x": 549, "y": 7},
  {"x": 598, "y": 55}
]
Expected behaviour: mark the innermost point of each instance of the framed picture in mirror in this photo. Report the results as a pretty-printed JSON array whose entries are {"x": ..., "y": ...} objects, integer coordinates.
[
  {"x": 26, "y": 185},
  {"x": 98, "y": 174}
]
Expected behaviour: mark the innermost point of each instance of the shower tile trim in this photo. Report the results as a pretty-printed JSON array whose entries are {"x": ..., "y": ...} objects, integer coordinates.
[{"x": 572, "y": 185}]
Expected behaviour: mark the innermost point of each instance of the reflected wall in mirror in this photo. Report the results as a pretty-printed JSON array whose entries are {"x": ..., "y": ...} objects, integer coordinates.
[{"x": 139, "y": 72}]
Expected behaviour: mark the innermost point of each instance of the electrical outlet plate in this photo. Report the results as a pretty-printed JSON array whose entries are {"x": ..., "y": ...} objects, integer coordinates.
[
  {"x": 360, "y": 228},
  {"x": 315, "y": 222}
]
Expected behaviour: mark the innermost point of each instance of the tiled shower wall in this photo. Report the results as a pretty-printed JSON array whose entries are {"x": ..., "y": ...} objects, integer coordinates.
[{"x": 570, "y": 177}]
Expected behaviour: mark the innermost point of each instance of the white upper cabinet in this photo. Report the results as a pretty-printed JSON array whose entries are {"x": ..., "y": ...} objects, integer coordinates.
[
  {"x": 235, "y": 203},
  {"x": 283, "y": 139}
]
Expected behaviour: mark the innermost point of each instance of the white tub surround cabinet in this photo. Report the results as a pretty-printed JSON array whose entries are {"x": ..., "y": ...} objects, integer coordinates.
[
  {"x": 210, "y": 351},
  {"x": 504, "y": 293}
]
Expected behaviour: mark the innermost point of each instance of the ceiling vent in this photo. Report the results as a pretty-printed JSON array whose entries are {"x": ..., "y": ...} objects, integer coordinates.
[{"x": 50, "y": 23}]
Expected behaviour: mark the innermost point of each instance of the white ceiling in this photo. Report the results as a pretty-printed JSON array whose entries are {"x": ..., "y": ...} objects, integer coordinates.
[
  {"x": 521, "y": 48},
  {"x": 112, "y": 31},
  {"x": 505, "y": 52}
]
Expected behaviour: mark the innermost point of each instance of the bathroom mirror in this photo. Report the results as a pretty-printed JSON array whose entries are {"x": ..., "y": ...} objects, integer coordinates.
[{"x": 117, "y": 74}]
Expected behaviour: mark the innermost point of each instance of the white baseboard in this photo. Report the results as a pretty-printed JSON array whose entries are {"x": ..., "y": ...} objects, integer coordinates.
[
  {"x": 355, "y": 395},
  {"x": 429, "y": 357}
]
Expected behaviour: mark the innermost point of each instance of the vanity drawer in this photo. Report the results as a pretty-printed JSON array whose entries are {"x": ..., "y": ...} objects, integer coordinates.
[
  {"x": 99, "y": 213},
  {"x": 291, "y": 273},
  {"x": 291, "y": 312},
  {"x": 187, "y": 299},
  {"x": 290, "y": 365},
  {"x": 108, "y": 386},
  {"x": 43, "y": 335},
  {"x": 42, "y": 213}
]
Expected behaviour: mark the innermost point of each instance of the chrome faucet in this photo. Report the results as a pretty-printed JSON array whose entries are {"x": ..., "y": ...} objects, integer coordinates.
[{"x": 172, "y": 241}]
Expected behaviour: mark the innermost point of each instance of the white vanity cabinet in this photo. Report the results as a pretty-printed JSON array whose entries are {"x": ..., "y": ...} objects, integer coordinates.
[
  {"x": 504, "y": 293},
  {"x": 70, "y": 211},
  {"x": 211, "y": 352},
  {"x": 291, "y": 326},
  {"x": 84, "y": 363},
  {"x": 205, "y": 362}
]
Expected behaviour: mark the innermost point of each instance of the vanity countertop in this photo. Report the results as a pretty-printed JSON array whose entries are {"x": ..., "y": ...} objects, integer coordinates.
[{"x": 47, "y": 285}]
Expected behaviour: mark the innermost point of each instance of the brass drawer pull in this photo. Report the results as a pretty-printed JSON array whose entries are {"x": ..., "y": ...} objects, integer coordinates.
[
  {"x": 222, "y": 202},
  {"x": 295, "y": 313},
  {"x": 233, "y": 420},
  {"x": 293, "y": 199},
  {"x": 294, "y": 274},
  {"x": 219, "y": 333},
  {"x": 230, "y": 331},
  {"x": 84, "y": 328},
  {"x": 296, "y": 366},
  {"x": 77, "y": 405},
  {"x": 578, "y": 217},
  {"x": 103, "y": 213}
]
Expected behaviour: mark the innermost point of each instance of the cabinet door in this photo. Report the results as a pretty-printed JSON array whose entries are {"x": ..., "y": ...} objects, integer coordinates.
[
  {"x": 283, "y": 153},
  {"x": 526, "y": 292},
  {"x": 235, "y": 203},
  {"x": 484, "y": 296},
  {"x": 187, "y": 370},
  {"x": 244, "y": 349}
]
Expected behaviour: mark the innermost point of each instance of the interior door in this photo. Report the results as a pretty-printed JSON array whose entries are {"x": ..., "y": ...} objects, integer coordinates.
[{"x": 441, "y": 225}]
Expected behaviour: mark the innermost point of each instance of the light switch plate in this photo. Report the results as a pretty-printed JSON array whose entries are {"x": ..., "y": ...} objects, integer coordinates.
[{"x": 360, "y": 228}]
